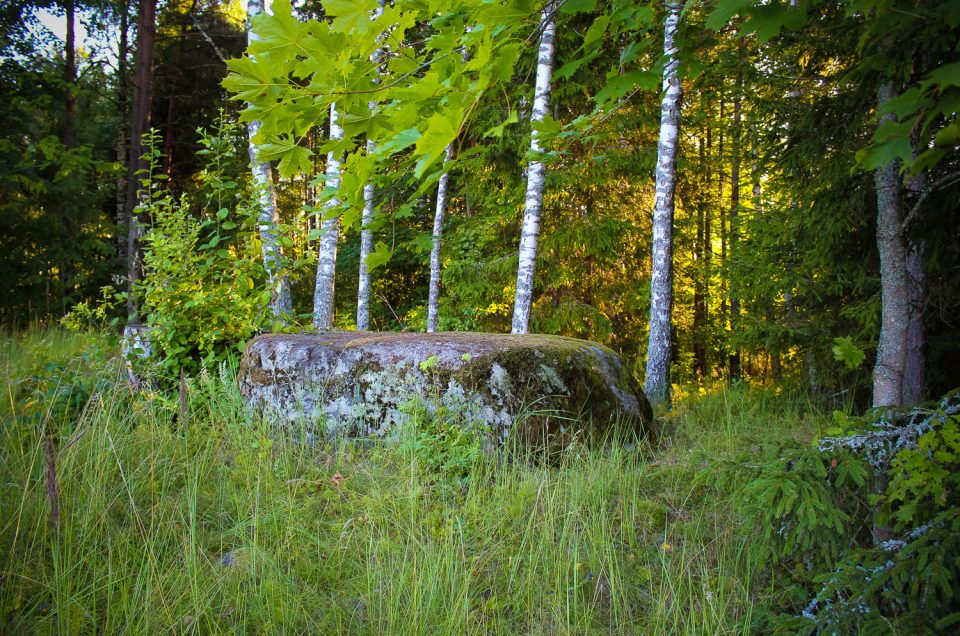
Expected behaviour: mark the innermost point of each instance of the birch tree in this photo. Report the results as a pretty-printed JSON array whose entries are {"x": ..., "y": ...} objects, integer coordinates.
[
  {"x": 657, "y": 382},
  {"x": 323, "y": 307},
  {"x": 366, "y": 217},
  {"x": 268, "y": 218},
  {"x": 536, "y": 178},
  {"x": 434, "y": 295}
]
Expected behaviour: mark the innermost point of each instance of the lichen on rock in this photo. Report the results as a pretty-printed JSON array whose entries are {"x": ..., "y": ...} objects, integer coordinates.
[{"x": 533, "y": 387}]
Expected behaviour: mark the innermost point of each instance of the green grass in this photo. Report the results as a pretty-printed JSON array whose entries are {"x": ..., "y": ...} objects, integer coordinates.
[{"x": 223, "y": 525}]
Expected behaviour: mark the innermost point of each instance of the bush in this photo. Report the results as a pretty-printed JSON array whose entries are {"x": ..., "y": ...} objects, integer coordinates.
[{"x": 204, "y": 289}]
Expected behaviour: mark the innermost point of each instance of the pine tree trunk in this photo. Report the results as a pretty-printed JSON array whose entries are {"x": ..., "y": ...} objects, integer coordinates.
[
  {"x": 888, "y": 373},
  {"x": 914, "y": 380},
  {"x": 69, "y": 78},
  {"x": 139, "y": 124},
  {"x": 657, "y": 383},
  {"x": 914, "y": 374},
  {"x": 734, "y": 361},
  {"x": 122, "y": 50},
  {"x": 323, "y": 307},
  {"x": 536, "y": 179},
  {"x": 366, "y": 217},
  {"x": 699, "y": 299},
  {"x": 434, "y": 295},
  {"x": 268, "y": 217}
]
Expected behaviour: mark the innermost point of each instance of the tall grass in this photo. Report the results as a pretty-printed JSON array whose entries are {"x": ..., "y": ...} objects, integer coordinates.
[{"x": 221, "y": 525}]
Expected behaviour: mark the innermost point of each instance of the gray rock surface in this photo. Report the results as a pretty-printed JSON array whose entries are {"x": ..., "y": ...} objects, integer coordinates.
[{"x": 365, "y": 383}]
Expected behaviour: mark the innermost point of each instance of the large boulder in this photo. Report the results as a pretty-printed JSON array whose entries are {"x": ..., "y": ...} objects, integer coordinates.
[{"x": 533, "y": 387}]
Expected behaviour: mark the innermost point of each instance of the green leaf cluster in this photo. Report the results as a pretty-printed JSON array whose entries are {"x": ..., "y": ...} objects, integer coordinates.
[{"x": 204, "y": 288}]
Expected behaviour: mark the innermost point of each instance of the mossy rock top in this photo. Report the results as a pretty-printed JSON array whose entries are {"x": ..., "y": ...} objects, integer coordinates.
[{"x": 529, "y": 386}]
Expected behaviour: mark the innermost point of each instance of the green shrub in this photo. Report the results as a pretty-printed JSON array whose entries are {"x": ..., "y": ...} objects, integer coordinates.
[{"x": 204, "y": 290}]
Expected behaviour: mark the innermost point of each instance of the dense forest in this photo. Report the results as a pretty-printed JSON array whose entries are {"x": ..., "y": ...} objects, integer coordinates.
[
  {"x": 811, "y": 212},
  {"x": 752, "y": 202}
]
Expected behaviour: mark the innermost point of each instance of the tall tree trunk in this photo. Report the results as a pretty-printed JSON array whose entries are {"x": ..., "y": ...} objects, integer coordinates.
[
  {"x": 914, "y": 373},
  {"x": 366, "y": 248},
  {"x": 366, "y": 217},
  {"x": 268, "y": 217},
  {"x": 657, "y": 382},
  {"x": 70, "y": 78},
  {"x": 122, "y": 51},
  {"x": 888, "y": 373},
  {"x": 914, "y": 379},
  {"x": 69, "y": 138},
  {"x": 699, "y": 301},
  {"x": 323, "y": 307},
  {"x": 139, "y": 124},
  {"x": 536, "y": 179},
  {"x": 434, "y": 295},
  {"x": 734, "y": 361}
]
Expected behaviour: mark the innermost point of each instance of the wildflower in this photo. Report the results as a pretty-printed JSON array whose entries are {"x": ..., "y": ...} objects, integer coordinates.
[{"x": 666, "y": 547}]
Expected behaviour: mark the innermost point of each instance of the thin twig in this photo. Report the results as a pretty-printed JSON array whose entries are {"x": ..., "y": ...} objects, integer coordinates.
[{"x": 206, "y": 36}]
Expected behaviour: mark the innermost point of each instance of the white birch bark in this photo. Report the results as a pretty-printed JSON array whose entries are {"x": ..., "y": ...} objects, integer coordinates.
[
  {"x": 536, "y": 178},
  {"x": 657, "y": 383},
  {"x": 323, "y": 307},
  {"x": 434, "y": 295},
  {"x": 366, "y": 217},
  {"x": 268, "y": 218},
  {"x": 366, "y": 247},
  {"x": 888, "y": 372}
]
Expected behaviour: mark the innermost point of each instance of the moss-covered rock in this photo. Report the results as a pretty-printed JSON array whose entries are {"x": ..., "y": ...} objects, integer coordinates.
[{"x": 528, "y": 386}]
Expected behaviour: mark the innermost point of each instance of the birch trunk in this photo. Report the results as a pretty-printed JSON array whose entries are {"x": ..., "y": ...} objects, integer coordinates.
[
  {"x": 323, "y": 307},
  {"x": 888, "y": 373},
  {"x": 441, "y": 209},
  {"x": 366, "y": 217},
  {"x": 268, "y": 218},
  {"x": 657, "y": 382},
  {"x": 536, "y": 177},
  {"x": 366, "y": 247}
]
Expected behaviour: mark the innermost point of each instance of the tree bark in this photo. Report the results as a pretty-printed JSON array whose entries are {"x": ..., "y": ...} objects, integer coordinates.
[
  {"x": 699, "y": 254},
  {"x": 323, "y": 307},
  {"x": 734, "y": 360},
  {"x": 366, "y": 248},
  {"x": 914, "y": 379},
  {"x": 139, "y": 124},
  {"x": 70, "y": 78},
  {"x": 657, "y": 382},
  {"x": 366, "y": 217},
  {"x": 268, "y": 217},
  {"x": 434, "y": 295},
  {"x": 122, "y": 50},
  {"x": 888, "y": 373},
  {"x": 536, "y": 179}
]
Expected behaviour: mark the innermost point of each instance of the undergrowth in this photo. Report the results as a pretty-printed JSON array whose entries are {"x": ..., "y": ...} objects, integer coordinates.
[{"x": 218, "y": 524}]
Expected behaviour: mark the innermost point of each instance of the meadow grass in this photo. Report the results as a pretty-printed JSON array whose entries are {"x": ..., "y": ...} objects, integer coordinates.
[{"x": 220, "y": 524}]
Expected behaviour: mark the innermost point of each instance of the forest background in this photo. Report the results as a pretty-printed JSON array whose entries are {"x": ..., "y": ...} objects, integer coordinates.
[{"x": 776, "y": 266}]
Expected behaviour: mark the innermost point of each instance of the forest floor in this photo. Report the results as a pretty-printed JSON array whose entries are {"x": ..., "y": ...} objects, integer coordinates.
[{"x": 218, "y": 524}]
